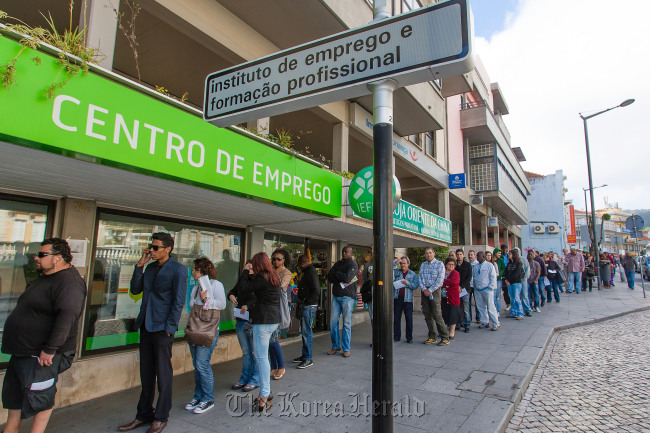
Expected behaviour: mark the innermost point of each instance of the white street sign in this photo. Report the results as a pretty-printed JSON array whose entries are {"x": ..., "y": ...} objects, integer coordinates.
[{"x": 422, "y": 45}]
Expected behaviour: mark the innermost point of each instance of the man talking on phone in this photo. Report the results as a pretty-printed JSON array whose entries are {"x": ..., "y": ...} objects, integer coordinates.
[{"x": 163, "y": 285}]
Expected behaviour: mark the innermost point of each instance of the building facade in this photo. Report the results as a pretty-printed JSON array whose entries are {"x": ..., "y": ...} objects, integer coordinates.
[
  {"x": 546, "y": 229},
  {"x": 106, "y": 160}
]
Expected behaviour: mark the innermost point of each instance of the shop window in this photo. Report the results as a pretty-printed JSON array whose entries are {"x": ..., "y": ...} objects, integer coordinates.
[
  {"x": 112, "y": 310},
  {"x": 23, "y": 226}
]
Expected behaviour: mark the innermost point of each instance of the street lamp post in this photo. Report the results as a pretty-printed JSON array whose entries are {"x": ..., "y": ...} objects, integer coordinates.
[
  {"x": 587, "y": 212},
  {"x": 591, "y": 184}
]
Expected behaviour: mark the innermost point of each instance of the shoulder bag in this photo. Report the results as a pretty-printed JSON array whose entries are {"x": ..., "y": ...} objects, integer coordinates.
[{"x": 202, "y": 325}]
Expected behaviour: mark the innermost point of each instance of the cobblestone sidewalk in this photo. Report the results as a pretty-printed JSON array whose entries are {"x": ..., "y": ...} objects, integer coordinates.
[{"x": 592, "y": 379}]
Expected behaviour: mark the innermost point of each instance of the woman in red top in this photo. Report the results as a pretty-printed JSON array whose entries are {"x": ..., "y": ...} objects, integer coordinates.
[{"x": 451, "y": 297}]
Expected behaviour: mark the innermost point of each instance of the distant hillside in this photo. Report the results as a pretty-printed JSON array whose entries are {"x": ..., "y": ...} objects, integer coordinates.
[{"x": 644, "y": 213}]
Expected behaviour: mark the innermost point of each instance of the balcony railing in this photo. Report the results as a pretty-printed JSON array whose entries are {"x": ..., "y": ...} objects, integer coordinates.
[{"x": 497, "y": 119}]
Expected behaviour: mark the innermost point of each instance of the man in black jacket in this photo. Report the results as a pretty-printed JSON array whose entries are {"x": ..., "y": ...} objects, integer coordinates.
[
  {"x": 41, "y": 336},
  {"x": 308, "y": 296},
  {"x": 163, "y": 285},
  {"x": 343, "y": 277},
  {"x": 464, "y": 268}
]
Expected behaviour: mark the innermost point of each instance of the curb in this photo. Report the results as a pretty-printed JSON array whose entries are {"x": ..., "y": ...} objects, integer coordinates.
[{"x": 516, "y": 399}]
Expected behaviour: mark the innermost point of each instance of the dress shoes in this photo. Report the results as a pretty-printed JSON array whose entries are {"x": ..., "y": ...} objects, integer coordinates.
[
  {"x": 157, "y": 427},
  {"x": 132, "y": 425}
]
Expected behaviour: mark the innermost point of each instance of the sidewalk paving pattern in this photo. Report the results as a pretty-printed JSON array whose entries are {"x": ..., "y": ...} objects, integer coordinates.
[
  {"x": 470, "y": 386},
  {"x": 593, "y": 378}
]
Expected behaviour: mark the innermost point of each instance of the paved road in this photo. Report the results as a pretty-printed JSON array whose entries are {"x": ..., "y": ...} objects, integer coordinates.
[{"x": 592, "y": 379}]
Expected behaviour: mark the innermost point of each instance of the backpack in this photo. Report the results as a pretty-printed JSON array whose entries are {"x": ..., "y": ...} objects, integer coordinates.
[{"x": 366, "y": 292}]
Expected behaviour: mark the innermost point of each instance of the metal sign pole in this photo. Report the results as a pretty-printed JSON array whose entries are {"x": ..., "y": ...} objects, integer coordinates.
[{"x": 382, "y": 223}]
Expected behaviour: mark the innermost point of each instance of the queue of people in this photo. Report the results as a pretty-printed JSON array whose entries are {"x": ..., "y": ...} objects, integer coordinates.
[{"x": 261, "y": 308}]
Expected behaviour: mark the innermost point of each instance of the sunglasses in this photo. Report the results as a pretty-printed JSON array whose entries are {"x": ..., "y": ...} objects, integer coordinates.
[
  {"x": 277, "y": 259},
  {"x": 155, "y": 247},
  {"x": 42, "y": 254}
]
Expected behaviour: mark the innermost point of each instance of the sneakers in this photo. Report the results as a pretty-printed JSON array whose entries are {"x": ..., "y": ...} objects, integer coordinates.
[
  {"x": 305, "y": 364},
  {"x": 507, "y": 307},
  {"x": 429, "y": 341},
  {"x": 443, "y": 342},
  {"x": 298, "y": 360},
  {"x": 192, "y": 405},
  {"x": 519, "y": 318},
  {"x": 537, "y": 310},
  {"x": 528, "y": 315},
  {"x": 496, "y": 328},
  {"x": 483, "y": 325},
  {"x": 204, "y": 407},
  {"x": 409, "y": 341}
]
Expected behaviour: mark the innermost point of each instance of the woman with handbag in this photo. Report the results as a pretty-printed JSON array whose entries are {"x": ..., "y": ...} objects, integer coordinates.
[
  {"x": 280, "y": 261},
  {"x": 265, "y": 314},
  {"x": 250, "y": 372},
  {"x": 202, "y": 331},
  {"x": 450, "y": 299}
]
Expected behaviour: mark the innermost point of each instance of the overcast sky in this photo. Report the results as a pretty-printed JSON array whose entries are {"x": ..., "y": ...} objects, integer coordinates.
[{"x": 554, "y": 59}]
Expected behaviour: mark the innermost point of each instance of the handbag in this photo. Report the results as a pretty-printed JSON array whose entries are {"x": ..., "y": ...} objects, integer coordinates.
[
  {"x": 202, "y": 325},
  {"x": 285, "y": 314}
]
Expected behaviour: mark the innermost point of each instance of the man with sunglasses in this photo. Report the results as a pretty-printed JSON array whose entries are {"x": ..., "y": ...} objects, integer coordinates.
[
  {"x": 41, "y": 336},
  {"x": 163, "y": 285}
]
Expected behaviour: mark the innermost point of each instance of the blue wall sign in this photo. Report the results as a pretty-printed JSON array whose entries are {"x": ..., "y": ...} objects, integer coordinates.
[{"x": 457, "y": 181}]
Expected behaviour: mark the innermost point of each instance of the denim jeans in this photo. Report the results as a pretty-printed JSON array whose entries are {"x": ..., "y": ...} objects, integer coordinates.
[
  {"x": 533, "y": 291},
  {"x": 262, "y": 333},
  {"x": 203, "y": 377},
  {"x": 575, "y": 282},
  {"x": 555, "y": 287},
  {"x": 497, "y": 296},
  {"x": 541, "y": 287},
  {"x": 525, "y": 297},
  {"x": 370, "y": 311},
  {"x": 485, "y": 302},
  {"x": 514, "y": 290},
  {"x": 398, "y": 306},
  {"x": 467, "y": 308},
  {"x": 306, "y": 324},
  {"x": 250, "y": 372},
  {"x": 341, "y": 306},
  {"x": 275, "y": 351},
  {"x": 630, "y": 275}
]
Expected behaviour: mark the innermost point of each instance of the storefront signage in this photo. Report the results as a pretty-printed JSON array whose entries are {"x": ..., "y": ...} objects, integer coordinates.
[
  {"x": 98, "y": 120},
  {"x": 361, "y": 121},
  {"x": 493, "y": 222},
  {"x": 457, "y": 181},
  {"x": 421, "y": 45},
  {"x": 360, "y": 192},
  {"x": 417, "y": 220}
]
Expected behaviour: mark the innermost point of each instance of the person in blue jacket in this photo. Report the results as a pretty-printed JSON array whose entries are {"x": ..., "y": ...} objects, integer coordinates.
[
  {"x": 404, "y": 299},
  {"x": 163, "y": 285}
]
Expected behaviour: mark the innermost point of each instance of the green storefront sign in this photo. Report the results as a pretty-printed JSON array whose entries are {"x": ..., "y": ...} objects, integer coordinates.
[
  {"x": 98, "y": 120},
  {"x": 417, "y": 220}
]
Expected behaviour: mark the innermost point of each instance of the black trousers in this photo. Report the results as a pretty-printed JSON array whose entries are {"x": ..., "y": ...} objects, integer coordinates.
[
  {"x": 407, "y": 307},
  {"x": 155, "y": 366}
]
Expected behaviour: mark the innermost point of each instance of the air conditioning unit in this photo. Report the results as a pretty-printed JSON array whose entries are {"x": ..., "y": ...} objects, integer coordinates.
[
  {"x": 476, "y": 199},
  {"x": 553, "y": 228},
  {"x": 539, "y": 229}
]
